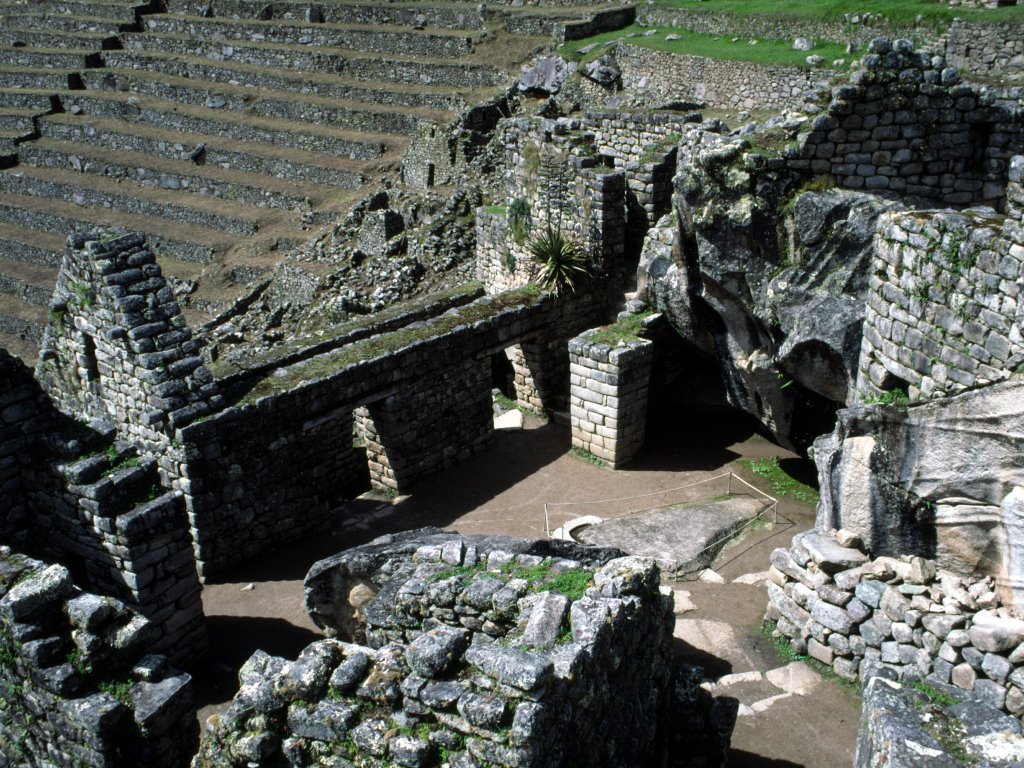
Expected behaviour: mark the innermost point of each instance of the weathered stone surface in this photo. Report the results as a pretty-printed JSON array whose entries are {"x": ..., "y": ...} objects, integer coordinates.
[
  {"x": 830, "y": 556},
  {"x": 545, "y": 76},
  {"x": 433, "y": 652}
]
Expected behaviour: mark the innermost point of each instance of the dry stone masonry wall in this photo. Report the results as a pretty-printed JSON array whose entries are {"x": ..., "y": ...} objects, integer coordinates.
[
  {"x": 899, "y": 618},
  {"x": 945, "y": 309},
  {"x": 475, "y": 656},
  {"x": 718, "y": 83},
  {"x": 78, "y": 686},
  {"x": 906, "y": 124},
  {"x": 989, "y": 50}
]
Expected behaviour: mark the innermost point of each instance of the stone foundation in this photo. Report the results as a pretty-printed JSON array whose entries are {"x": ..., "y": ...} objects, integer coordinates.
[{"x": 896, "y": 617}]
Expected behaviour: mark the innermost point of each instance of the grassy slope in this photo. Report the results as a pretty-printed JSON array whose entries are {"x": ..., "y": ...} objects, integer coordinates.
[
  {"x": 777, "y": 52},
  {"x": 898, "y": 12}
]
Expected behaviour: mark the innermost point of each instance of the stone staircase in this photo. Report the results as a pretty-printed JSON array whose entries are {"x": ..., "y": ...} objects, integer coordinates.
[{"x": 227, "y": 130}]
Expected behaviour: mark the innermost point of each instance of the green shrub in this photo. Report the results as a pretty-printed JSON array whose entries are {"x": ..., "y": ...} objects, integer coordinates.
[{"x": 519, "y": 220}]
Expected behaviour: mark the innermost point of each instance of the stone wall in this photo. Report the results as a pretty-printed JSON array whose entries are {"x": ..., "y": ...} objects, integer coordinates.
[
  {"x": 944, "y": 308},
  {"x": 21, "y": 423},
  {"x": 78, "y": 687},
  {"x": 934, "y": 479},
  {"x": 552, "y": 171},
  {"x": 989, "y": 50},
  {"x": 896, "y": 617},
  {"x": 608, "y": 395},
  {"x": 728, "y": 84},
  {"x": 117, "y": 347},
  {"x": 476, "y": 655},
  {"x": 906, "y": 124},
  {"x": 279, "y": 463},
  {"x": 859, "y": 28}
]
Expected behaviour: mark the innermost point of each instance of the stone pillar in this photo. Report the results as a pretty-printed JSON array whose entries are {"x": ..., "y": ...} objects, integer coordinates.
[
  {"x": 540, "y": 373},
  {"x": 1012, "y": 510},
  {"x": 608, "y": 396},
  {"x": 443, "y": 420}
]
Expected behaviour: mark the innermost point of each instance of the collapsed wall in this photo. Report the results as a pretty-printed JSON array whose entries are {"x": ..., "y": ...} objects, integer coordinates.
[
  {"x": 79, "y": 687},
  {"x": 899, "y": 618},
  {"x": 478, "y": 652}
]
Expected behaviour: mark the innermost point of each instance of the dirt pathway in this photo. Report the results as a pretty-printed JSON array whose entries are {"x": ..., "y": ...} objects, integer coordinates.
[{"x": 260, "y": 605}]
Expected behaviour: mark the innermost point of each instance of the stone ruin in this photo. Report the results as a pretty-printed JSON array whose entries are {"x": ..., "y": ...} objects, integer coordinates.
[{"x": 473, "y": 650}]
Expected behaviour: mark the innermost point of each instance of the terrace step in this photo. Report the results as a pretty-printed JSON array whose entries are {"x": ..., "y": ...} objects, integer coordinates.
[
  {"x": 187, "y": 178},
  {"x": 100, "y": 8},
  {"x": 17, "y": 120},
  {"x": 380, "y": 39},
  {"x": 59, "y": 58},
  {"x": 34, "y": 78},
  {"x": 21, "y": 347},
  {"x": 353, "y": 64},
  {"x": 55, "y": 21},
  {"x": 252, "y": 76},
  {"x": 444, "y": 15},
  {"x": 230, "y": 125},
  {"x": 49, "y": 219},
  {"x": 253, "y": 158},
  {"x": 90, "y": 191},
  {"x": 38, "y": 100},
  {"x": 43, "y": 38},
  {"x": 22, "y": 320},
  {"x": 31, "y": 283},
  {"x": 9, "y": 141},
  {"x": 35, "y": 248},
  {"x": 267, "y": 104}
]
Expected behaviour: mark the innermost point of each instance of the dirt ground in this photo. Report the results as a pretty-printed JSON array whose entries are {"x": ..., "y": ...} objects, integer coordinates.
[{"x": 260, "y": 605}]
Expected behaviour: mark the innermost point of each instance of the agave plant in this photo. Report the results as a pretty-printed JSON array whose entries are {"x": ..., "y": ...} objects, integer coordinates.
[{"x": 562, "y": 261}]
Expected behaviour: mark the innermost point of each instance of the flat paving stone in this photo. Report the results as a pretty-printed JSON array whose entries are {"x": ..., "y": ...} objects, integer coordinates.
[{"x": 681, "y": 538}]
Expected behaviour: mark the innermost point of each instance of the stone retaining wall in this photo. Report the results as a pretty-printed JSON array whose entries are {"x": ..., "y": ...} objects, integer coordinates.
[
  {"x": 863, "y": 30},
  {"x": 475, "y": 656},
  {"x": 78, "y": 687},
  {"x": 989, "y": 50},
  {"x": 737, "y": 85},
  {"x": 608, "y": 396},
  {"x": 395, "y": 42},
  {"x": 944, "y": 308},
  {"x": 896, "y": 617}
]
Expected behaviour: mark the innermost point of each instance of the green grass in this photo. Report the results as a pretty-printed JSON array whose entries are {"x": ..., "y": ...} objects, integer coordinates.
[
  {"x": 588, "y": 457},
  {"x": 540, "y": 577},
  {"x": 767, "y": 52},
  {"x": 897, "y": 13},
  {"x": 119, "y": 690},
  {"x": 508, "y": 404},
  {"x": 787, "y": 654},
  {"x": 499, "y": 210},
  {"x": 781, "y": 483},
  {"x": 625, "y": 330}
]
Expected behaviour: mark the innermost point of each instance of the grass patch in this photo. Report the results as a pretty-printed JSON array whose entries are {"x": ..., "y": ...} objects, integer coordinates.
[
  {"x": 540, "y": 577},
  {"x": 508, "y": 404},
  {"x": 624, "y": 330},
  {"x": 497, "y": 210},
  {"x": 896, "y": 12},
  {"x": 936, "y": 697},
  {"x": 897, "y": 397},
  {"x": 767, "y": 52},
  {"x": 122, "y": 691},
  {"x": 945, "y": 728},
  {"x": 588, "y": 457},
  {"x": 781, "y": 483},
  {"x": 787, "y": 654}
]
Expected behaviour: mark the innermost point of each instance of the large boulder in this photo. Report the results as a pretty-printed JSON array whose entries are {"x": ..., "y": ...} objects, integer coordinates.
[
  {"x": 766, "y": 278},
  {"x": 546, "y": 76},
  {"x": 939, "y": 479}
]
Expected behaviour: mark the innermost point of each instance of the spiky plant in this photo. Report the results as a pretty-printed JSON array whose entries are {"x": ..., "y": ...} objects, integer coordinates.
[{"x": 561, "y": 259}]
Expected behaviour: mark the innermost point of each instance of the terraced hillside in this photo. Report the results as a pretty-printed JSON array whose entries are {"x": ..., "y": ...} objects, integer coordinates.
[{"x": 227, "y": 130}]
